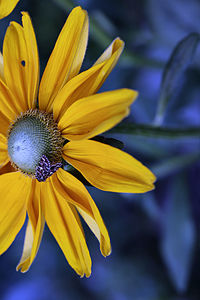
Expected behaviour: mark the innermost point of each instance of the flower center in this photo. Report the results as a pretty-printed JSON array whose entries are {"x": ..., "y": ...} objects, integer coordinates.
[{"x": 35, "y": 144}]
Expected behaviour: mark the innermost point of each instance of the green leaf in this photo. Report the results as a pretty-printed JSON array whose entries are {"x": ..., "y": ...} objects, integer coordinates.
[{"x": 177, "y": 63}]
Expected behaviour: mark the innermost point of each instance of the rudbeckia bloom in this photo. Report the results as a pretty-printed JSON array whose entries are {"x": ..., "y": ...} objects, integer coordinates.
[
  {"x": 45, "y": 126},
  {"x": 6, "y": 7}
]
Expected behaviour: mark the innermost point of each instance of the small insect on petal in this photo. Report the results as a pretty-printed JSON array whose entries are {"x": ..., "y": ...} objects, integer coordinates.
[{"x": 23, "y": 63}]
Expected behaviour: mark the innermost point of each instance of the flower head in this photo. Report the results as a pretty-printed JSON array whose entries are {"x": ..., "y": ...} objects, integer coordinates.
[
  {"x": 6, "y": 7},
  {"x": 48, "y": 125}
]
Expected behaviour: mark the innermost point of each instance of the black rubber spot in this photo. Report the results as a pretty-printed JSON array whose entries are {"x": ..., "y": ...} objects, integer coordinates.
[{"x": 23, "y": 63}]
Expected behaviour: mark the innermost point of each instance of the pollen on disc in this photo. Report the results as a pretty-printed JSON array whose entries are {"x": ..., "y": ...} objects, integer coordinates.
[{"x": 28, "y": 141}]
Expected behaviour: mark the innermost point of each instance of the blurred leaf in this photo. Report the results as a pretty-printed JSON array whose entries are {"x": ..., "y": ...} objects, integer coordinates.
[
  {"x": 104, "y": 37},
  {"x": 177, "y": 63},
  {"x": 178, "y": 239},
  {"x": 65, "y": 4},
  {"x": 173, "y": 164},
  {"x": 104, "y": 22},
  {"x": 150, "y": 206}
]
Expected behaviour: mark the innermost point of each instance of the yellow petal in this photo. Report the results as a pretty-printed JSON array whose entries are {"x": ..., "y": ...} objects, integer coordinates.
[
  {"x": 4, "y": 159},
  {"x": 95, "y": 114},
  {"x": 78, "y": 87},
  {"x": 65, "y": 228},
  {"x": 9, "y": 107},
  {"x": 28, "y": 244},
  {"x": 6, "y": 7},
  {"x": 34, "y": 204},
  {"x": 21, "y": 68},
  {"x": 14, "y": 190},
  {"x": 34, "y": 230},
  {"x": 14, "y": 52},
  {"x": 110, "y": 57},
  {"x": 66, "y": 58},
  {"x": 1, "y": 67},
  {"x": 78, "y": 196},
  {"x": 108, "y": 168},
  {"x": 89, "y": 82},
  {"x": 33, "y": 70}
]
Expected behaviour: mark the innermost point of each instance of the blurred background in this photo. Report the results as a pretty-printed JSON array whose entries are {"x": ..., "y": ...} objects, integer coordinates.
[{"x": 155, "y": 236}]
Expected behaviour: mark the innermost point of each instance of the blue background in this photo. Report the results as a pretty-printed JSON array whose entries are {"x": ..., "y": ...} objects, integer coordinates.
[{"x": 155, "y": 236}]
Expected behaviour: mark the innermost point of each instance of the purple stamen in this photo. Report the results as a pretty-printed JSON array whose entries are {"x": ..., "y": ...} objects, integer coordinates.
[{"x": 45, "y": 169}]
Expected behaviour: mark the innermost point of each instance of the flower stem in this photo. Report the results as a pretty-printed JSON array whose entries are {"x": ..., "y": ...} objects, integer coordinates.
[{"x": 158, "y": 132}]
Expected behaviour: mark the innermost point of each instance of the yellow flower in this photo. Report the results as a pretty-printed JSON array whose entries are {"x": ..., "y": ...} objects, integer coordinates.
[
  {"x": 6, "y": 7},
  {"x": 38, "y": 136}
]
